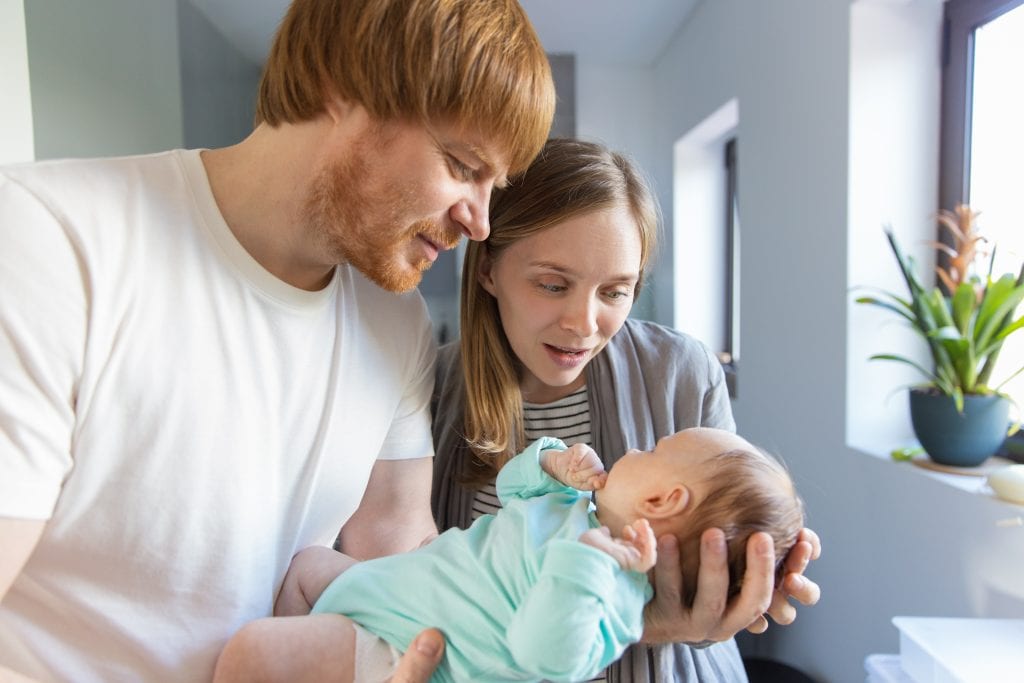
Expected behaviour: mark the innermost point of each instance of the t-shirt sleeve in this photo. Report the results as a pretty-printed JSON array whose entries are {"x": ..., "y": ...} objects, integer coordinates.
[
  {"x": 43, "y": 313},
  {"x": 409, "y": 434}
]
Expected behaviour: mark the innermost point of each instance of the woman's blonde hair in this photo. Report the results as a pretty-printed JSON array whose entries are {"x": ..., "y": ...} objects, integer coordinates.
[
  {"x": 472, "y": 63},
  {"x": 567, "y": 179}
]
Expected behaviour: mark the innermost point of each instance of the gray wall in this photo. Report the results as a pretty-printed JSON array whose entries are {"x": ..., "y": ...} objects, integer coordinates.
[
  {"x": 109, "y": 77},
  {"x": 833, "y": 145},
  {"x": 218, "y": 83},
  {"x": 105, "y": 77}
]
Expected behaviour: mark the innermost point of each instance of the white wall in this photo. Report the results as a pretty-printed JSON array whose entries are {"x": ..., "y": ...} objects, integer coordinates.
[
  {"x": 701, "y": 253},
  {"x": 16, "y": 114},
  {"x": 895, "y": 88},
  {"x": 105, "y": 77}
]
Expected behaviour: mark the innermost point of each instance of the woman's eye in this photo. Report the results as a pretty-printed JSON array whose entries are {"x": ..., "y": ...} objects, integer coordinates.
[
  {"x": 554, "y": 289},
  {"x": 617, "y": 295}
]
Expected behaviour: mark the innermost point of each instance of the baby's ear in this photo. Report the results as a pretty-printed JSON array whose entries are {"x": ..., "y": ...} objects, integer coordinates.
[{"x": 668, "y": 502}]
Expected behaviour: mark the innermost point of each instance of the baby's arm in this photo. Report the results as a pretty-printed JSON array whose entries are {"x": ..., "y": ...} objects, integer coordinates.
[
  {"x": 599, "y": 607},
  {"x": 577, "y": 466},
  {"x": 310, "y": 572},
  {"x": 315, "y": 647},
  {"x": 636, "y": 550}
]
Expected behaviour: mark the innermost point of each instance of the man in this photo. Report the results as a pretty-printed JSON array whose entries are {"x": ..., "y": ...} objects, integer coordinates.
[{"x": 209, "y": 360}]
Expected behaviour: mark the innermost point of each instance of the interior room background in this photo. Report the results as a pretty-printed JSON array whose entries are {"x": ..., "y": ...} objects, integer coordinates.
[{"x": 835, "y": 106}]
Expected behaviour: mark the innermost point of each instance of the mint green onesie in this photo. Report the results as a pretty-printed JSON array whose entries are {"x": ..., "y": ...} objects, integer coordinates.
[{"x": 517, "y": 596}]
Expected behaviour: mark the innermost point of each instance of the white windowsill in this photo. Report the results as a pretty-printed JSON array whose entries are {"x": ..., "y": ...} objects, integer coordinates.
[{"x": 971, "y": 483}]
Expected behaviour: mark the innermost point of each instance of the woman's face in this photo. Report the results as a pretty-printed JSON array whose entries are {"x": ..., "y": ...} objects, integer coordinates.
[{"x": 562, "y": 294}]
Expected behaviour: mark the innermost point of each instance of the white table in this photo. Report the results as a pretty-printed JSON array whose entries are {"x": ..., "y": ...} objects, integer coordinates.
[{"x": 950, "y": 650}]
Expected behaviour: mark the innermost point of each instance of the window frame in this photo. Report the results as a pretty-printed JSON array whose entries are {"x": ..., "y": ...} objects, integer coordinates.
[
  {"x": 727, "y": 356},
  {"x": 961, "y": 18}
]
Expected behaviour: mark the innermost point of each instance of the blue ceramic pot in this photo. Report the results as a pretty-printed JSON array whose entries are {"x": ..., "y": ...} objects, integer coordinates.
[{"x": 959, "y": 439}]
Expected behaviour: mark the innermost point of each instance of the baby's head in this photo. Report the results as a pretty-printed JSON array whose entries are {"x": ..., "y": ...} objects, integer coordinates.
[{"x": 701, "y": 478}]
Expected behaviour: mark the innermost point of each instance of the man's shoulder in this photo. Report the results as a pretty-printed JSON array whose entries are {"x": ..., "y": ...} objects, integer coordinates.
[
  {"x": 45, "y": 169},
  {"x": 63, "y": 181}
]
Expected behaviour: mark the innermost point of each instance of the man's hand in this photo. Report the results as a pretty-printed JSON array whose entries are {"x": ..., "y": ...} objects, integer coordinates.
[
  {"x": 422, "y": 657},
  {"x": 712, "y": 619},
  {"x": 577, "y": 466},
  {"x": 794, "y": 584}
]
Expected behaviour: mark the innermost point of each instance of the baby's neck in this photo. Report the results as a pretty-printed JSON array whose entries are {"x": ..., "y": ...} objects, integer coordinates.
[{"x": 615, "y": 523}]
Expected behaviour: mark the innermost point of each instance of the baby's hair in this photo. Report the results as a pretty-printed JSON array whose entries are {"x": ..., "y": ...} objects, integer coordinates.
[{"x": 746, "y": 491}]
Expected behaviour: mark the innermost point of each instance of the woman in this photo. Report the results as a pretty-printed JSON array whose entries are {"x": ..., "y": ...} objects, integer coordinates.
[{"x": 546, "y": 349}]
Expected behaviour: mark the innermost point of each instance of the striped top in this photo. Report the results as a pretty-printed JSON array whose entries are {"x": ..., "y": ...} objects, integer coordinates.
[{"x": 567, "y": 419}]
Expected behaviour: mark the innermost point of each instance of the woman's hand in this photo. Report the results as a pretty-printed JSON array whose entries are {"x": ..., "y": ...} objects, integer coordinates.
[{"x": 711, "y": 618}]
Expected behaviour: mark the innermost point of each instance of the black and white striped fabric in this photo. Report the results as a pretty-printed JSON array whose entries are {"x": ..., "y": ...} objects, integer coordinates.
[{"x": 567, "y": 419}]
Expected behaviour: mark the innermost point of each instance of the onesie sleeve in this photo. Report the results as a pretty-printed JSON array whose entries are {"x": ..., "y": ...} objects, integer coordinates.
[
  {"x": 43, "y": 311},
  {"x": 579, "y": 616},
  {"x": 522, "y": 477}
]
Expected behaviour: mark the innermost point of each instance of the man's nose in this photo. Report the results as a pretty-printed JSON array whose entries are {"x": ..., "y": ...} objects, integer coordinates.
[{"x": 471, "y": 213}]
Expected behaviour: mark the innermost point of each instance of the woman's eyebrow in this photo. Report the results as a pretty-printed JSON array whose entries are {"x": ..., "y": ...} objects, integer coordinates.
[{"x": 560, "y": 268}]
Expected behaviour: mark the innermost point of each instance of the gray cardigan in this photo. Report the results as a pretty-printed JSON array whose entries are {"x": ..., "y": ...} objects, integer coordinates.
[{"x": 649, "y": 382}]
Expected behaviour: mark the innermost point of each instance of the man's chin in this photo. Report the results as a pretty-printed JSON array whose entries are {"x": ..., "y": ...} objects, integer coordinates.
[{"x": 399, "y": 281}]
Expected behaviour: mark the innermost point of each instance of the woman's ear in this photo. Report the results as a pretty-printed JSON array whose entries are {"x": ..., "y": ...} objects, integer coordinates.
[
  {"x": 666, "y": 502},
  {"x": 483, "y": 273}
]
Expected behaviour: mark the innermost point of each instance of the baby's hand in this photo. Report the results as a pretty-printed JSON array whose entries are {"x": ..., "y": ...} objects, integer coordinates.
[
  {"x": 577, "y": 466},
  {"x": 637, "y": 550}
]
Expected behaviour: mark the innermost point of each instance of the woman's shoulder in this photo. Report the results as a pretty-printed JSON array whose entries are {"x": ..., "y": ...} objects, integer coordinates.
[
  {"x": 654, "y": 349},
  {"x": 449, "y": 360},
  {"x": 651, "y": 337}
]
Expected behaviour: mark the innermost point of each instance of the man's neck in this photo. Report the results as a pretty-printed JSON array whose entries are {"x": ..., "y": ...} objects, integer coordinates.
[{"x": 260, "y": 186}]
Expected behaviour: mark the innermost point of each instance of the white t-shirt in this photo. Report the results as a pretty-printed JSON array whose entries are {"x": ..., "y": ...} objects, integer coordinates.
[{"x": 184, "y": 420}]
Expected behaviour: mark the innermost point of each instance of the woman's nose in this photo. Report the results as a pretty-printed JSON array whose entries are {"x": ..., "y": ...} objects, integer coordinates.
[{"x": 581, "y": 317}]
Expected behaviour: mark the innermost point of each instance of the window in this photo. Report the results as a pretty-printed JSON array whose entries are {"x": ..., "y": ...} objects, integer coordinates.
[
  {"x": 706, "y": 235},
  {"x": 983, "y": 135}
]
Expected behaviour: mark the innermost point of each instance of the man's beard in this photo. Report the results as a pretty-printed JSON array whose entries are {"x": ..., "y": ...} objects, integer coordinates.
[{"x": 356, "y": 223}]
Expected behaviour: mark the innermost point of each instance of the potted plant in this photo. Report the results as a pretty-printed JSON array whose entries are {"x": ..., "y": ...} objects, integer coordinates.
[{"x": 959, "y": 418}]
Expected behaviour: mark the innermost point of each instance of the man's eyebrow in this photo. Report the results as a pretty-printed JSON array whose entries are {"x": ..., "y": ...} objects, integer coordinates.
[{"x": 499, "y": 182}]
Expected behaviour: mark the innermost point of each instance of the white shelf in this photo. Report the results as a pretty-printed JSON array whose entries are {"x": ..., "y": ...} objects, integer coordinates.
[{"x": 949, "y": 650}]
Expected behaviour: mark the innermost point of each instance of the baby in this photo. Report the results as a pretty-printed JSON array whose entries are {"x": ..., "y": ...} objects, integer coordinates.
[{"x": 541, "y": 590}]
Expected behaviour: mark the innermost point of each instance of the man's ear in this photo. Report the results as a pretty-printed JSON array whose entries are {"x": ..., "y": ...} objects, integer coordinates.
[
  {"x": 667, "y": 502},
  {"x": 337, "y": 108},
  {"x": 483, "y": 273}
]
